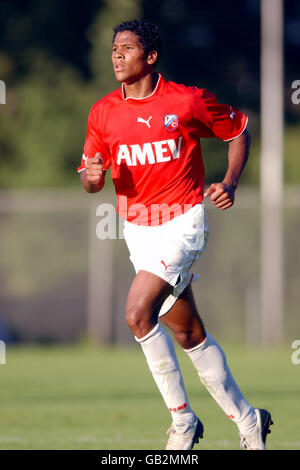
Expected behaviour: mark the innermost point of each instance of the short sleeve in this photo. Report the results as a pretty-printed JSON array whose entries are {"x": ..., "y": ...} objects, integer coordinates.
[
  {"x": 94, "y": 142},
  {"x": 216, "y": 119}
]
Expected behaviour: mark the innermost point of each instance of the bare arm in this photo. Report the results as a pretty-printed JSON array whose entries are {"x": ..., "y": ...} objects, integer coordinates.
[
  {"x": 93, "y": 177},
  {"x": 222, "y": 194}
]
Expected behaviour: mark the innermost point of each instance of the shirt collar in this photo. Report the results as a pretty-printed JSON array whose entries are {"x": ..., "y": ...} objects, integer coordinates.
[{"x": 156, "y": 89}]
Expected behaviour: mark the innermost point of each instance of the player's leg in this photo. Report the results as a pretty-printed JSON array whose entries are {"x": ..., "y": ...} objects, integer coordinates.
[
  {"x": 145, "y": 297},
  {"x": 146, "y": 294},
  {"x": 209, "y": 360},
  {"x": 161, "y": 256},
  {"x": 184, "y": 320}
]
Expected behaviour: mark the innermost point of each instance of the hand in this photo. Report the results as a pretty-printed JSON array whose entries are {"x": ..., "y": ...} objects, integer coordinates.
[
  {"x": 94, "y": 169},
  {"x": 221, "y": 195}
]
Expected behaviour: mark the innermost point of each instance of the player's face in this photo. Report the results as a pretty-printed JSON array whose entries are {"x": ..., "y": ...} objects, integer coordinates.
[{"x": 128, "y": 57}]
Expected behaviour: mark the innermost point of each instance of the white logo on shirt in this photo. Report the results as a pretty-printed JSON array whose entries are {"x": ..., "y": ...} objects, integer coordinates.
[
  {"x": 139, "y": 119},
  {"x": 171, "y": 122},
  {"x": 150, "y": 152},
  {"x": 232, "y": 114}
]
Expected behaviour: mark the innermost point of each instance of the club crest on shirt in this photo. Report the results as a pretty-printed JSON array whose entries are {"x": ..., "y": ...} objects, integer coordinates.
[{"x": 171, "y": 122}]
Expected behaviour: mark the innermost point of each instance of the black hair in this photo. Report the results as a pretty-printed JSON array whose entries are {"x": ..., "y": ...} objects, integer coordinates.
[{"x": 147, "y": 33}]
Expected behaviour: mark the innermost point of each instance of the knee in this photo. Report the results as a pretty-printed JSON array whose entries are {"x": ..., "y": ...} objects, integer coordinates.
[
  {"x": 184, "y": 338},
  {"x": 133, "y": 315},
  {"x": 138, "y": 317},
  {"x": 189, "y": 338}
]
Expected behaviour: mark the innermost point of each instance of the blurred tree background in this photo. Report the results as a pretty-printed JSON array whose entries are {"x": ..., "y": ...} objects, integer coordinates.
[{"x": 55, "y": 61}]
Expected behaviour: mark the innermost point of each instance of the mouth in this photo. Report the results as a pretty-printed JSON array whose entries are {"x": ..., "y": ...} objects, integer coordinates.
[{"x": 118, "y": 67}]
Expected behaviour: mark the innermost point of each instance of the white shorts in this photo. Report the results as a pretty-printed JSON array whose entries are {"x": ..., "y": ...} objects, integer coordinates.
[{"x": 169, "y": 250}]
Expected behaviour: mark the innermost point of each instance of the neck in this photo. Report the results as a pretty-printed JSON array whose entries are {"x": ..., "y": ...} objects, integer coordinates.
[{"x": 141, "y": 88}]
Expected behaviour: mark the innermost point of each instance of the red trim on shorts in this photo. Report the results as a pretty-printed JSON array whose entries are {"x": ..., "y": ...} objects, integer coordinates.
[{"x": 194, "y": 259}]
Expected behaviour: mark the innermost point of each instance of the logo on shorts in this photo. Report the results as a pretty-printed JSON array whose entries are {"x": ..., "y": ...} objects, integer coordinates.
[
  {"x": 171, "y": 122},
  {"x": 165, "y": 265}
]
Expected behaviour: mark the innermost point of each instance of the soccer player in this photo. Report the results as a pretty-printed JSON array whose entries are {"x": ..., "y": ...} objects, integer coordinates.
[{"x": 148, "y": 132}]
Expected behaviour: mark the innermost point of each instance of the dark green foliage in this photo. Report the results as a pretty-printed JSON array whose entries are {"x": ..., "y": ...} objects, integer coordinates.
[{"x": 55, "y": 61}]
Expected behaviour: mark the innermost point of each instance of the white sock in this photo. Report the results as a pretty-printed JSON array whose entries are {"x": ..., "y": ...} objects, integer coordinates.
[
  {"x": 162, "y": 361},
  {"x": 210, "y": 362}
]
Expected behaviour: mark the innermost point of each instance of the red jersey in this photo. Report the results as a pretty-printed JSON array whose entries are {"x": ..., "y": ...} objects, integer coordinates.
[{"x": 152, "y": 145}]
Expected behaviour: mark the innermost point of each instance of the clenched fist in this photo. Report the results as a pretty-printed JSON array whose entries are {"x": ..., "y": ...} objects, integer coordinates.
[
  {"x": 221, "y": 195},
  {"x": 94, "y": 169}
]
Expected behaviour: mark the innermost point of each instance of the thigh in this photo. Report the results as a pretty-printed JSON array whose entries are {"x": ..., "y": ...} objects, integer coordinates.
[{"x": 184, "y": 320}]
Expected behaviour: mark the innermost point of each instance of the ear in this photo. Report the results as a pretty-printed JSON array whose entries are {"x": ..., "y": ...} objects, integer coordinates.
[{"x": 152, "y": 57}]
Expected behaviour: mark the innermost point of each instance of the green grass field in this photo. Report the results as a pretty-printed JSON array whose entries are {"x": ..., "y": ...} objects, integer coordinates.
[{"x": 83, "y": 397}]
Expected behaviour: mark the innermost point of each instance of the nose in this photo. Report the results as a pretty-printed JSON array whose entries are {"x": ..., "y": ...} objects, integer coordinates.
[{"x": 117, "y": 54}]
